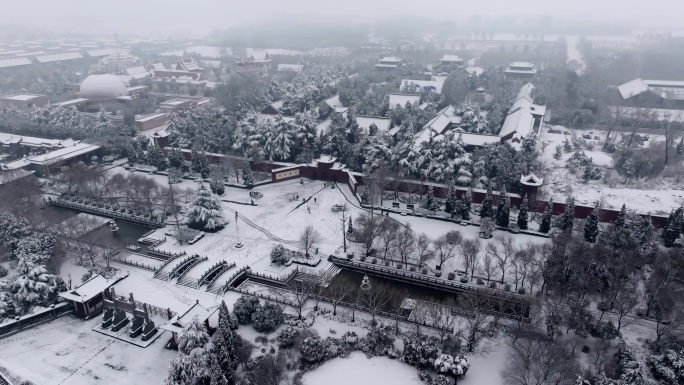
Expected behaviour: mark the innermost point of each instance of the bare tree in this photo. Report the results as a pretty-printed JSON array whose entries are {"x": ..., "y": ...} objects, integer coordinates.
[
  {"x": 624, "y": 303},
  {"x": 309, "y": 239},
  {"x": 396, "y": 305},
  {"x": 300, "y": 295},
  {"x": 442, "y": 317},
  {"x": 445, "y": 246},
  {"x": 369, "y": 228},
  {"x": 507, "y": 251},
  {"x": 314, "y": 286},
  {"x": 406, "y": 244},
  {"x": 523, "y": 259},
  {"x": 470, "y": 250},
  {"x": 375, "y": 299},
  {"x": 535, "y": 360},
  {"x": 489, "y": 261},
  {"x": 424, "y": 251},
  {"x": 339, "y": 291},
  {"x": 388, "y": 237},
  {"x": 419, "y": 314},
  {"x": 475, "y": 324}
]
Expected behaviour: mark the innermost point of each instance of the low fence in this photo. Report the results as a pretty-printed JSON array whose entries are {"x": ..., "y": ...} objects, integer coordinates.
[
  {"x": 414, "y": 277},
  {"x": 165, "y": 254},
  {"x": 31, "y": 320},
  {"x": 107, "y": 213},
  {"x": 136, "y": 264},
  {"x": 275, "y": 280}
]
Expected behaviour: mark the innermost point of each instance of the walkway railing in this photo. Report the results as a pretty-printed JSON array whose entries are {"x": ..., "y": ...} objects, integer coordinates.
[
  {"x": 107, "y": 213},
  {"x": 9, "y": 328}
]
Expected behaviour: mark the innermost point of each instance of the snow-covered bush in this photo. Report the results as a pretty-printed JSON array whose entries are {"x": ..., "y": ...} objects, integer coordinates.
[
  {"x": 453, "y": 366},
  {"x": 668, "y": 367},
  {"x": 376, "y": 342},
  {"x": 279, "y": 255},
  {"x": 440, "y": 380},
  {"x": 486, "y": 228},
  {"x": 420, "y": 353},
  {"x": 244, "y": 307},
  {"x": 350, "y": 338},
  {"x": 334, "y": 347},
  {"x": 312, "y": 349},
  {"x": 267, "y": 318},
  {"x": 632, "y": 370},
  {"x": 287, "y": 336},
  {"x": 3, "y": 271}
]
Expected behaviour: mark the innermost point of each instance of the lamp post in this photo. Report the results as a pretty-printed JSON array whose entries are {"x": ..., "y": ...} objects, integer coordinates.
[{"x": 238, "y": 245}]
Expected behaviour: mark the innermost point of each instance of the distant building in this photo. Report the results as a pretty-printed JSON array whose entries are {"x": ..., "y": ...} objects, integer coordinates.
[
  {"x": 103, "y": 91},
  {"x": 176, "y": 104},
  {"x": 273, "y": 108},
  {"x": 117, "y": 62},
  {"x": 290, "y": 67},
  {"x": 176, "y": 324},
  {"x": 452, "y": 61},
  {"x": 523, "y": 70},
  {"x": 418, "y": 86},
  {"x": 258, "y": 61},
  {"x": 88, "y": 298},
  {"x": 188, "y": 64},
  {"x": 168, "y": 75},
  {"x": 665, "y": 89},
  {"x": 330, "y": 105},
  {"x": 381, "y": 124},
  {"x": 151, "y": 121},
  {"x": 23, "y": 101},
  {"x": 389, "y": 63}
]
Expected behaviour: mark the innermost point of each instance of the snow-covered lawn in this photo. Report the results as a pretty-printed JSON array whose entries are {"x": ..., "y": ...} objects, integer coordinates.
[
  {"x": 66, "y": 351},
  {"x": 359, "y": 370},
  {"x": 657, "y": 196}
]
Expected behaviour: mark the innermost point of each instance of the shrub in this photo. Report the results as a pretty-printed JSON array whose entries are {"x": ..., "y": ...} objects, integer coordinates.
[
  {"x": 492, "y": 285},
  {"x": 287, "y": 336},
  {"x": 374, "y": 261},
  {"x": 438, "y": 273},
  {"x": 480, "y": 281},
  {"x": 451, "y": 276},
  {"x": 464, "y": 280},
  {"x": 387, "y": 262},
  {"x": 376, "y": 342},
  {"x": 350, "y": 338},
  {"x": 267, "y": 318},
  {"x": 362, "y": 258},
  {"x": 279, "y": 255},
  {"x": 412, "y": 268},
  {"x": 424, "y": 270},
  {"x": 420, "y": 353},
  {"x": 334, "y": 347},
  {"x": 507, "y": 287},
  {"x": 244, "y": 307},
  {"x": 450, "y": 365},
  {"x": 399, "y": 266},
  {"x": 3, "y": 271},
  {"x": 312, "y": 349},
  {"x": 521, "y": 290}
]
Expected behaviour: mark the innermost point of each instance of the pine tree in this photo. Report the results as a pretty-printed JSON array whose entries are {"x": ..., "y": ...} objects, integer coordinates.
[
  {"x": 431, "y": 203},
  {"x": 350, "y": 227},
  {"x": 522, "y": 215},
  {"x": 591, "y": 229},
  {"x": 205, "y": 212},
  {"x": 176, "y": 159},
  {"x": 223, "y": 351},
  {"x": 450, "y": 197},
  {"x": 217, "y": 376},
  {"x": 192, "y": 365},
  {"x": 247, "y": 177},
  {"x": 621, "y": 218},
  {"x": 487, "y": 204},
  {"x": 545, "y": 225},
  {"x": 670, "y": 234},
  {"x": 195, "y": 162},
  {"x": 568, "y": 219},
  {"x": 504, "y": 214},
  {"x": 204, "y": 168},
  {"x": 466, "y": 205}
]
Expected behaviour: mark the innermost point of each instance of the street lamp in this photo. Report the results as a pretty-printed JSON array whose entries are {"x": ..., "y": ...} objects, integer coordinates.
[{"x": 238, "y": 245}]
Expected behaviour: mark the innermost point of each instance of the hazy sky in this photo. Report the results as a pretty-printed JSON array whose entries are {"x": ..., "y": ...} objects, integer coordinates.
[{"x": 204, "y": 15}]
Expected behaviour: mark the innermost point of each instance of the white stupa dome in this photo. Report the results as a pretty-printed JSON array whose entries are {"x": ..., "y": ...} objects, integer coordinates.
[{"x": 102, "y": 86}]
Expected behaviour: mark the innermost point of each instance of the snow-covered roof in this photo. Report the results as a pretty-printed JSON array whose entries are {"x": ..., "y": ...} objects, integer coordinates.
[
  {"x": 30, "y": 141},
  {"x": 260, "y": 55},
  {"x": 531, "y": 180},
  {"x": 451, "y": 59},
  {"x": 402, "y": 99},
  {"x": 323, "y": 126},
  {"x": 390, "y": 59},
  {"x": 6, "y": 63},
  {"x": 277, "y": 104},
  {"x": 149, "y": 117},
  {"x": 479, "y": 139},
  {"x": 100, "y": 52},
  {"x": 188, "y": 64},
  {"x": 365, "y": 122},
  {"x": 22, "y": 97},
  {"x": 519, "y": 123},
  {"x": 442, "y": 121},
  {"x": 178, "y": 322},
  {"x": 381, "y": 65},
  {"x": 525, "y": 91},
  {"x": 290, "y": 67},
  {"x": 334, "y": 101},
  {"x": 475, "y": 70},
  {"x": 139, "y": 70},
  {"x": 59, "y": 57},
  {"x": 32, "y": 53},
  {"x": 525, "y": 64},
  {"x": 632, "y": 88},
  {"x": 424, "y": 85},
  {"x": 102, "y": 86},
  {"x": 90, "y": 288},
  {"x": 63, "y": 154}
]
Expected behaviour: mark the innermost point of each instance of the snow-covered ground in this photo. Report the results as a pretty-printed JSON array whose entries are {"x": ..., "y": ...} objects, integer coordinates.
[
  {"x": 657, "y": 196},
  {"x": 66, "y": 351},
  {"x": 359, "y": 370}
]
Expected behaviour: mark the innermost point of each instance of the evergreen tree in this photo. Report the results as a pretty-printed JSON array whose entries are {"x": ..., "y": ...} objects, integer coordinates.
[
  {"x": 621, "y": 218},
  {"x": 522, "y": 215},
  {"x": 195, "y": 163},
  {"x": 217, "y": 376},
  {"x": 680, "y": 146},
  {"x": 591, "y": 230},
  {"x": 545, "y": 225},
  {"x": 350, "y": 227},
  {"x": 224, "y": 346},
  {"x": 156, "y": 158},
  {"x": 670, "y": 234},
  {"x": 204, "y": 168},
  {"x": 176, "y": 159},
  {"x": 466, "y": 205},
  {"x": 487, "y": 204},
  {"x": 504, "y": 214},
  {"x": 217, "y": 186},
  {"x": 430, "y": 202},
  {"x": 33, "y": 286},
  {"x": 192, "y": 365},
  {"x": 568, "y": 219},
  {"x": 205, "y": 212},
  {"x": 247, "y": 177},
  {"x": 450, "y": 197},
  {"x": 644, "y": 236},
  {"x": 131, "y": 153}
]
